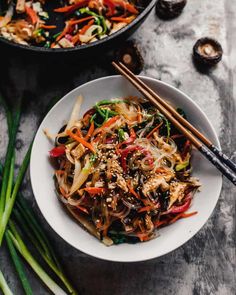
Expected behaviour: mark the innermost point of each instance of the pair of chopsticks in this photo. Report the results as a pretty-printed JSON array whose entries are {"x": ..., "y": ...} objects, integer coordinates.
[{"x": 221, "y": 161}]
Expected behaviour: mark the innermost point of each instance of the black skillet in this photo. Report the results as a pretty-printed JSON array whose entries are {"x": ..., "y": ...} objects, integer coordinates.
[{"x": 88, "y": 49}]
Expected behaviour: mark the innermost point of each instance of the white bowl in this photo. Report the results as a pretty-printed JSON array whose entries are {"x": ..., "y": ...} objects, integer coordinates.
[{"x": 170, "y": 237}]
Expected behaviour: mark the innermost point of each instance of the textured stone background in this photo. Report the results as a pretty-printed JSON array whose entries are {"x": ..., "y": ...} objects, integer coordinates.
[{"x": 204, "y": 265}]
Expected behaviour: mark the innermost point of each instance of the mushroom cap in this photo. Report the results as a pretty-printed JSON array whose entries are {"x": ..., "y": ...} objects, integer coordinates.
[
  {"x": 130, "y": 56},
  {"x": 207, "y": 51},
  {"x": 168, "y": 9}
]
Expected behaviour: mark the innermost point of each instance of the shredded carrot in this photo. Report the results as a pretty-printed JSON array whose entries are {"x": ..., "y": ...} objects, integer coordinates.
[
  {"x": 78, "y": 21},
  {"x": 132, "y": 191},
  {"x": 70, "y": 24},
  {"x": 71, "y": 8},
  {"x": 142, "y": 237},
  {"x": 60, "y": 172},
  {"x": 32, "y": 14},
  {"x": 131, "y": 8},
  {"x": 105, "y": 125},
  {"x": 94, "y": 190},
  {"x": 182, "y": 215},
  {"x": 64, "y": 32},
  {"x": 86, "y": 27},
  {"x": 139, "y": 115},
  {"x": 83, "y": 209},
  {"x": 82, "y": 31},
  {"x": 110, "y": 122},
  {"x": 79, "y": 133},
  {"x": 154, "y": 130},
  {"x": 63, "y": 192},
  {"x": 81, "y": 140},
  {"x": 160, "y": 223},
  {"x": 90, "y": 131},
  {"x": 47, "y": 27},
  {"x": 123, "y": 19},
  {"x": 186, "y": 215}
]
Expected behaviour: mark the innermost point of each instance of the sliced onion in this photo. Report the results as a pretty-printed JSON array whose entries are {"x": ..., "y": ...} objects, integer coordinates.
[
  {"x": 77, "y": 172},
  {"x": 88, "y": 36},
  {"x": 8, "y": 16},
  {"x": 74, "y": 202},
  {"x": 69, "y": 147},
  {"x": 75, "y": 112},
  {"x": 82, "y": 176}
]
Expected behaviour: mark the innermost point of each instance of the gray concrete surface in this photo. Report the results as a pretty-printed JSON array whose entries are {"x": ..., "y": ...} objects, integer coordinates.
[{"x": 206, "y": 264}]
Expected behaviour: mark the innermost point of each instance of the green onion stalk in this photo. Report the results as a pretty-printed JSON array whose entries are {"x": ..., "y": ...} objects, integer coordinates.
[
  {"x": 19, "y": 266},
  {"x": 16, "y": 239},
  {"x": 4, "y": 286},
  {"x": 25, "y": 219}
]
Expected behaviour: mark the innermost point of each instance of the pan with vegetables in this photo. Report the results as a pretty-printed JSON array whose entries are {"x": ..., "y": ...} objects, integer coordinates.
[{"x": 68, "y": 25}]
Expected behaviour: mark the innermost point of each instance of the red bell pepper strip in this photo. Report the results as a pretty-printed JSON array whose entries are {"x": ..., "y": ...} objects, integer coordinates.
[
  {"x": 111, "y": 7},
  {"x": 57, "y": 151},
  {"x": 83, "y": 209},
  {"x": 186, "y": 149},
  {"x": 131, "y": 139},
  {"x": 124, "y": 155},
  {"x": 126, "y": 6},
  {"x": 180, "y": 209},
  {"x": 90, "y": 131}
]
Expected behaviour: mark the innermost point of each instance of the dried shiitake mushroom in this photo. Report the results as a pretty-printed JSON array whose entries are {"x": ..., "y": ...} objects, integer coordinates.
[
  {"x": 207, "y": 51},
  {"x": 130, "y": 56},
  {"x": 168, "y": 9}
]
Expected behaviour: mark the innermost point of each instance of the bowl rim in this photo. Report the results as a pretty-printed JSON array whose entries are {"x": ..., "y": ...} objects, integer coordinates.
[
  {"x": 82, "y": 48},
  {"x": 149, "y": 256}
]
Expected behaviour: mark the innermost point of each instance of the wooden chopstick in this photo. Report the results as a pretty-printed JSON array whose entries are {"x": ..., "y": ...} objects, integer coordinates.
[
  {"x": 168, "y": 113},
  {"x": 224, "y": 158}
]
